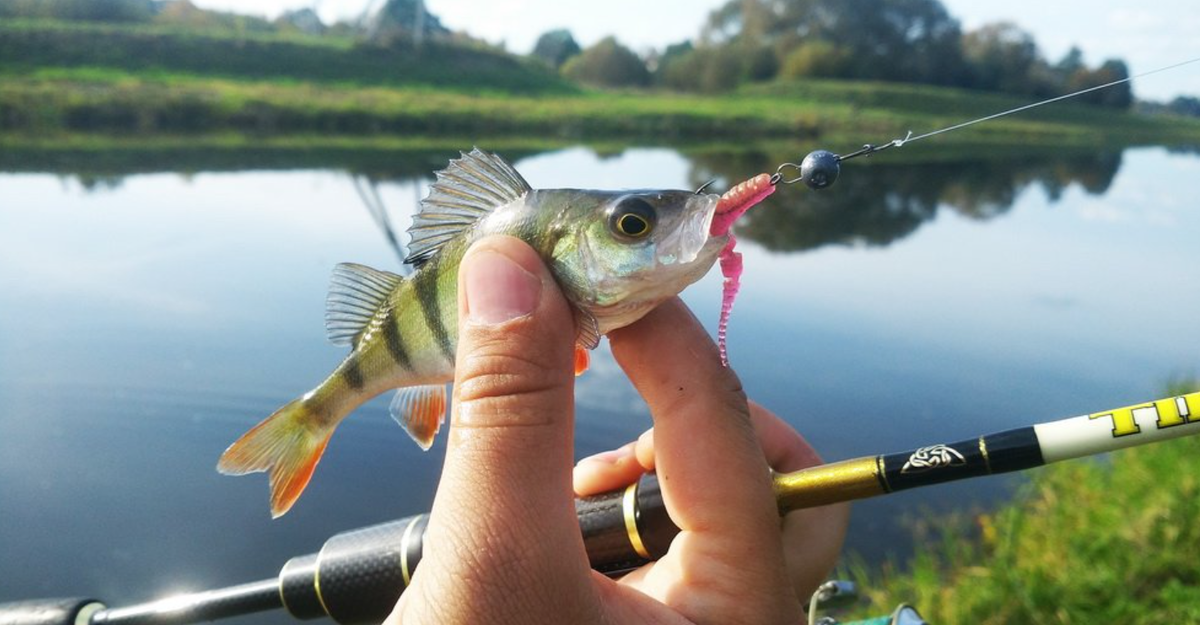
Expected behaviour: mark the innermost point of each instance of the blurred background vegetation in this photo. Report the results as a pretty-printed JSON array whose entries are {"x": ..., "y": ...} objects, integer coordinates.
[{"x": 800, "y": 68}]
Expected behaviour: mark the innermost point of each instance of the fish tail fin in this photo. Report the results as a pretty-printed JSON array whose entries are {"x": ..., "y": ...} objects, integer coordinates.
[{"x": 287, "y": 444}]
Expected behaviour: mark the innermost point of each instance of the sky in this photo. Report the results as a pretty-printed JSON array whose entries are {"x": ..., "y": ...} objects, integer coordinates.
[{"x": 1147, "y": 35}]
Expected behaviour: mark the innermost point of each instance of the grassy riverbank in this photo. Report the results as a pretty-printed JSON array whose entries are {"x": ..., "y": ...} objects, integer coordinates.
[
  {"x": 58, "y": 79},
  {"x": 1099, "y": 541},
  {"x": 52, "y": 101}
]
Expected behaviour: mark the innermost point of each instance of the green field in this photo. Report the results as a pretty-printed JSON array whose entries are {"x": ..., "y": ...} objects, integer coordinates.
[{"x": 60, "y": 80}]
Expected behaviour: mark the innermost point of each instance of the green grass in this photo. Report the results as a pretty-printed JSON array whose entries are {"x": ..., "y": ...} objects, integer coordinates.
[
  {"x": 29, "y": 46},
  {"x": 59, "y": 79},
  {"x": 1100, "y": 541},
  {"x": 104, "y": 99}
]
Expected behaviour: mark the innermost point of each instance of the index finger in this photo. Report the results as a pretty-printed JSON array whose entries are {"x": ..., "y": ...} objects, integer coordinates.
[{"x": 714, "y": 473}]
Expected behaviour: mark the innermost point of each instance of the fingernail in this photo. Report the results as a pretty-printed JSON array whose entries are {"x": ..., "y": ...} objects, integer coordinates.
[{"x": 498, "y": 289}]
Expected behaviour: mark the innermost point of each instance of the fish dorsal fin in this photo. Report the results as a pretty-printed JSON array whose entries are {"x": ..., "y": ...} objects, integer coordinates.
[
  {"x": 467, "y": 190},
  {"x": 355, "y": 294}
]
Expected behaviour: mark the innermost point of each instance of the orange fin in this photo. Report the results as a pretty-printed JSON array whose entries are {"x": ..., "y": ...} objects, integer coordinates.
[
  {"x": 288, "y": 444},
  {"x": 583, "y": 360},
  {"x": 420, "y": 410}
]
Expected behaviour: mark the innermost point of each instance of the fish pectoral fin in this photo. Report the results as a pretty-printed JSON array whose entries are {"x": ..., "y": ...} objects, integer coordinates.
[
  {"x": 288, "y": 444},
  {"x": 587, "y": 329},
  {"x": 420, "y": 410},
  {"x": 356, "y": 292},
  {"x": 582, "y": 360}
]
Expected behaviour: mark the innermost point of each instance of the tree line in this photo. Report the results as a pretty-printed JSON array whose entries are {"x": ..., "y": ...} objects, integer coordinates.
[
  {"x": 742, "y": 41},
  {"x": 918, "y": 41}
]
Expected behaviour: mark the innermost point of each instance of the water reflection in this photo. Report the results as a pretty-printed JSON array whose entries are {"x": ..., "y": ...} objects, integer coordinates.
[
  {"x": 876, "y": 203},
  {"x": 880, "y": 203}
]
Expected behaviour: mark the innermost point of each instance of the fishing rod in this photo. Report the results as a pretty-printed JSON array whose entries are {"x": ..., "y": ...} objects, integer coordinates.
[{"x": 358, "y": 575}]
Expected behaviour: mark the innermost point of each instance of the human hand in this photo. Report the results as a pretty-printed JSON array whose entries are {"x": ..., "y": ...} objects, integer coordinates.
[
  {"x": 503, "y": 543},
  {"x": 812, "y": 538}
]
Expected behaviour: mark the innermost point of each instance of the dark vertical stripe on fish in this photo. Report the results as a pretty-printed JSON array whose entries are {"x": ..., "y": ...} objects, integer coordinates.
[
  {"x": 426, "y": 283},
  {"x": 395, "y": 344},
  {"x": 352, "y": 374}
]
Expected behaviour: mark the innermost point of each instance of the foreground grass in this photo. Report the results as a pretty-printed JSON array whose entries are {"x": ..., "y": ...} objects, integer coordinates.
[{"x": 1112, "y": 541}]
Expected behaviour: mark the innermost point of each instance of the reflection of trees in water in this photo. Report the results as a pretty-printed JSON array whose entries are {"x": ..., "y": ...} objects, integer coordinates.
[
  {"x": 106, "y": 169},
  {"x": 874, "y": 202},
  {"x": 879, "y": 203},
  {"x": 1184, "y": 149}
]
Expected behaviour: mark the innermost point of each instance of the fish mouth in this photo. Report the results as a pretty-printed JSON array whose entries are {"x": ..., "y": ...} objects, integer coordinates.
[{"x": 686, "y": 243}]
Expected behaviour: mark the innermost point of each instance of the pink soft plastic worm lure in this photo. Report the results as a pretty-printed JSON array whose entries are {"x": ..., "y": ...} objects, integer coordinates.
[{"x": 731, "y": 206}]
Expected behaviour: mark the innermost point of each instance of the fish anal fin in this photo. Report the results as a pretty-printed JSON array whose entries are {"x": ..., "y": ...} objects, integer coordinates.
[
  {"x": 288, "y": 444},
  {"x": 356, "y": 293},
  {"x": 582, "y": 360},
  {"x": 420, "y": 410}
]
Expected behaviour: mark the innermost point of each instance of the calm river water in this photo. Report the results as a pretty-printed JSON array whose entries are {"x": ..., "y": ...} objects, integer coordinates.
[{"x": 149, "y": 316}]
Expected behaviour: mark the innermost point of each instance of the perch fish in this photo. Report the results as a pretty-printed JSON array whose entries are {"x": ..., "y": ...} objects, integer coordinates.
[{"x": 615, "y": 254}]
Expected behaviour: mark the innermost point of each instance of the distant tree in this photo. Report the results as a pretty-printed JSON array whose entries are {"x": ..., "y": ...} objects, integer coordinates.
[
  {"x": 901, "y": 40},
  {"x": 1001, "y": 57},
  {"x": 555, "y": 47},
  {"x": 759, "y": 62},
  {"x": 184, "y": 13},
  {"x": 304, "y": 20},
  {"x": 817, "y": 59},
  {"x": 706, "y": 69},
  {"x": 1185, "y": 105},
  {"x": 608, "y": 64},
  {"x": 408, "y": 20},
  {"x": 1117, "y": 96},
  {"x": 1071, "y": 62},
  {"x": 677, "y": 67},
  {"x": 721, "y": 68},
  {"x": 81, "y": 10}
]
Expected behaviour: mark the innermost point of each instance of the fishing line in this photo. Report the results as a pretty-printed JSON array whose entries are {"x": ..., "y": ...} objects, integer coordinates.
[{"x": 820, "y": 168}]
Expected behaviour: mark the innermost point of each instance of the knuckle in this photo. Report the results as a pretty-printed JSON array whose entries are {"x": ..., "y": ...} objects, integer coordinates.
[{"x": 497, "y": 387}]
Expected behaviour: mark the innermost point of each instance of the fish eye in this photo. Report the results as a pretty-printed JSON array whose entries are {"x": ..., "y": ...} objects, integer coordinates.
[{"x": 632, "y": 218}]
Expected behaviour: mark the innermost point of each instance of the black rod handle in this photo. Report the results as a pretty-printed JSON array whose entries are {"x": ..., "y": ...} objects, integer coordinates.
[{"x": 358, "y": 576}]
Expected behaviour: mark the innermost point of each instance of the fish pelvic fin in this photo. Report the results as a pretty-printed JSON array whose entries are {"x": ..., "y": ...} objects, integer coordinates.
[
  {"x": 583, "y": 360},
  {"x": 420, "y": 410},
  {"x": 288, "y": 445}
]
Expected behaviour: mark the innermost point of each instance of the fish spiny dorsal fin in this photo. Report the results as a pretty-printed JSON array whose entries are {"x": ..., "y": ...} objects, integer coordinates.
[
  {"x": 355, "y": 294},
  {"x": 467, "y": 190}
]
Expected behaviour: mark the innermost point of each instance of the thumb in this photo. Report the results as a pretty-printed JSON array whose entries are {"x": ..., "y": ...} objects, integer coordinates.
[
  {"x": 505, "y": 500},
  {"x": 514, "y": 381}
]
